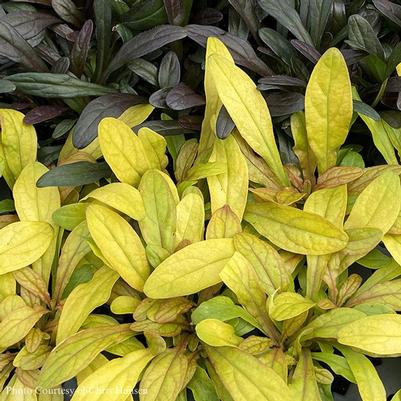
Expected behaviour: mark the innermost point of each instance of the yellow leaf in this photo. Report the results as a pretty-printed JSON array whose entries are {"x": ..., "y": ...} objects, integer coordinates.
[
  {"x": 164, "y": 377},
  {"x": 18, "y": 143},
  {"x": 190, "y": 270},
  {"x": 213, "y": 103},
  {"x": 378, "y": 205},
  {"x": 224, "y": 223},
  {"x": 288, "y": 305},
  {"x": 301, "y": 147},
  {"x": 190, "y": 218},
  {"x": 15, "y": 326},
  {"x": 130, "y": 155},
  {"x": 231, "y": 187},
  {"x": 295, "y": 230},
  {"x": 378, "y": 335},
  {"x": 73, "y": 250},
  {"x": 328, "y": 108},
  {"x": 160, "y": 199},
  {"x": 120, "y": 196},
  {"x": 245, "y": 377},
  {"x": 114, "y": 380},
  {"x": 37, "y": 204},
  {"x": 76, "y": 352},
  {"x": 119, "y": 244},
  {"x": 83, "y": 300},
  {"x": 217, "y": 333},
  {"x": 124, "y": 304},
  {"x": 22, "y": 243},
  {"x": 136, "y": 115},
  {"x": 248, "y": 110}
]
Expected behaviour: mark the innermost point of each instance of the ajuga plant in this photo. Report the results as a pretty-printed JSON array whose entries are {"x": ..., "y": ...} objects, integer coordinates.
[{"x": 219, "y": 272}]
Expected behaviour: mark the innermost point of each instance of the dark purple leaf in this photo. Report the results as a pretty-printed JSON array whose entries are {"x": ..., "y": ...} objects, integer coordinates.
[
  {"x": 30, "y": 25},
  {"x": 145, "y": 43},
  {"x": 240, "y": 49},
  {"x": 14, "y": 47},
  {"x": 61, "y": 66},
  {"x": 64, "y": 31},
  {"x": 306, "y": 50},
  {"x": 175, "y": 11},
  {"x": 105, "y": 106},
  {"x": 224, "y": 124},
  {"x": 394, "y": 84},
  {"x": 6, "y": 86},
  {"x": 169, "y": 71},
  {"x": 80, "y": 50},
  {"x": 280, "y": 81},
  {"x": 284, "y": 103},
  {"x": 158, "y": 98},
  {"x": 182, "y": 97},
  {"x": 103, "y": 22},
  {"x": 167, "y": 128},
  {"x": 389, "y": 9},
  {"x": 392, "y": 118},
  {"x": 62, "y": 128},
  {"x": 44, "y": 113},
  {"x": 208, "y": 16},
  {"x": 68, "y": 11},
  {"x": 352, "y": 56},
  {"x": 247, "y": 10},
  {"x": 144, "y": 69}
]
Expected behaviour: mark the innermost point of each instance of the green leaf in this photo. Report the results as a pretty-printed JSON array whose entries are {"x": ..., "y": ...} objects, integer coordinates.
[
  {"x": 295, "y": 230},
  {"x": 74, "y": 174},
  {"x": 328, "y": 108},
  {"x": 287, "y": 16},
  {"x": 51, "y": 85},
  {"x": 368, "y": 381}
]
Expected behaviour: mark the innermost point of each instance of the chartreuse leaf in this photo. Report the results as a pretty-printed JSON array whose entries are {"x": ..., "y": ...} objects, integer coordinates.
[
  {"x": 265, "y": 260},
  {"x": 378, "y": 205},
  {"x": 240, "y": 277},
  {"x": 190, "y": 218},
  {"x": 330, "y": 203},
  {"x": 377, "y": 334},
  {"x": 304, "y": 386},
  {"x": 370, "y": 386},
  {"x": 295, "y": 230},
  {"x": 130, "y": 155},
  {"x": 244, "y": 376},
  {"x": 18, "y": 322},
  {"x": 224, "y": 223},
  {"x": 287, "y": 305},
  {"x": 18, "y": 144},
  {"x": 78, "y": 351},
  {"x": 165, "y": 376},
  {"x": 202, "y": 386},
  {"x": 338, "y": 364},
  {"x": 248, "y": 110},
  {"x": 393, "y": 245},
  {"x": 120, "y": 196},
  {"x": 73, "y": 250},
  {"x": 328, "y": 108},
  {"x": 69, "y": 216},
  {"x": 124, "y": 304},
  {"x": 117, "y": 377},
  {"x": 216, "y": 333},
  {"x": 22, "y": 243},
  {"x": 83, "y": 300},
  {"x": 222, "y": 308},
  {"x": 231, "y": 187},
  {"x": 302, "y": 148},
  {"x": 160, "y": 199},
  {"x": 37, "y": 204},
  {"x": 193, "y": 268},
  {"x": 136, "y": 115},
  {"x": 213, "y": 102},
  {"x": 119, "y": 244}
]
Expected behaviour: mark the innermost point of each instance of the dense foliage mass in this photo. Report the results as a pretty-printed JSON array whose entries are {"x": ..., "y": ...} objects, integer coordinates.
[{"x": 199, "y": 200}]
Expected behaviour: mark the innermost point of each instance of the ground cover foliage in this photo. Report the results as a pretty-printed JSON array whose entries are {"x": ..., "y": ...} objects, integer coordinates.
[{"x": 200, "y": 200}]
